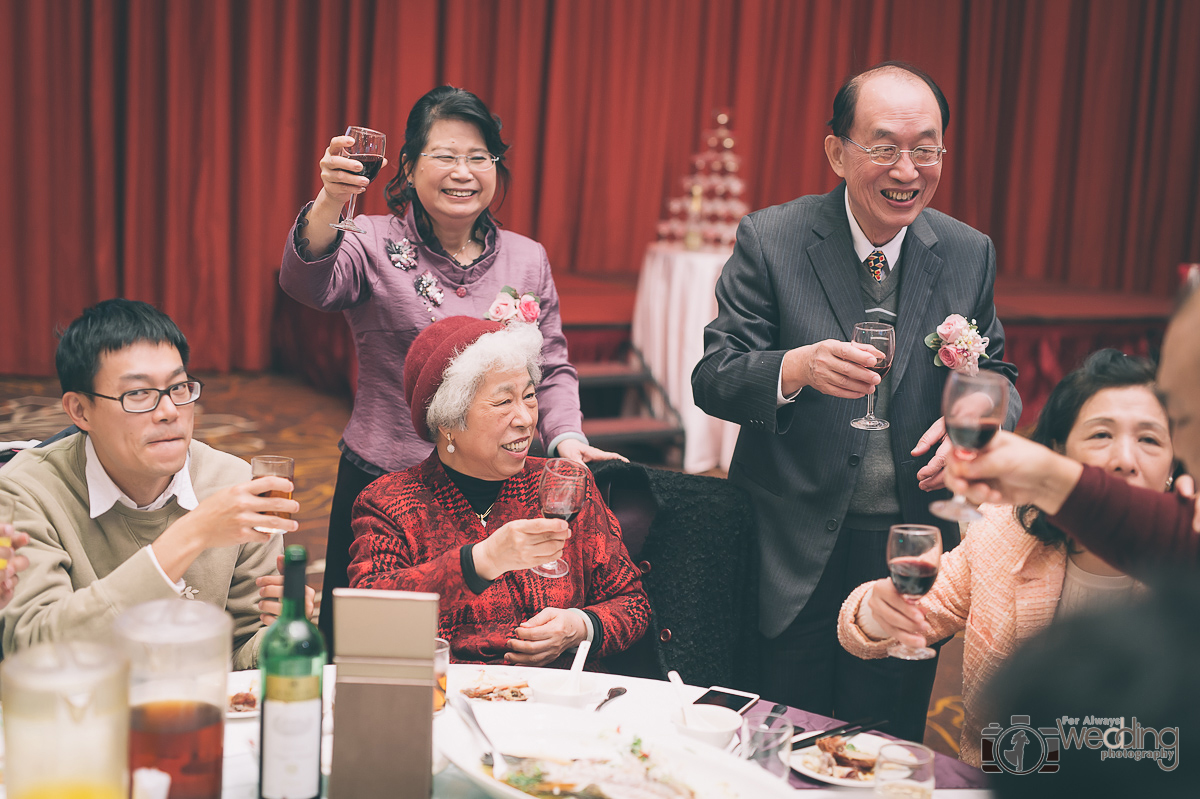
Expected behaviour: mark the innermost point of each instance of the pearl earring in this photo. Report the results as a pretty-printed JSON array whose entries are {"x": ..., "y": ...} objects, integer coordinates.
[{"x": 450, "y": 446}]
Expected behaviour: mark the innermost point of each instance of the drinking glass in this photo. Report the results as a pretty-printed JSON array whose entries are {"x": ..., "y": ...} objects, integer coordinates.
[
  {"x": 914, "y": 552},
  {"x": 767, "y": 741},
  {"x": 8, "y": 509},
  {"x": 277, "y": 466},
  {"x": 882, "y": 337},
  {"x": 562, "y": 491},
  {"x": 368, "y": 150},
  {"x": 66, "y": 721},
  {"x": 973, "y": 407},
  {"x": 441, "y": 665},
  {"x": 904, "y": 771},
  {"x": 178, "y": 652}
]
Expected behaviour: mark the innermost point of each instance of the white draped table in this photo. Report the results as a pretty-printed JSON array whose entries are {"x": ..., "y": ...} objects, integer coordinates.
[
  {"x": 647, "y": 708},
  {"x": 675, "y": 300}
]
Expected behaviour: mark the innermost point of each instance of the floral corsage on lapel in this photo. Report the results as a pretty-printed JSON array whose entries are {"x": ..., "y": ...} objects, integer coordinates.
[
  {"x": 958, "y": 345},
  {"x": 509, "y": 305}
]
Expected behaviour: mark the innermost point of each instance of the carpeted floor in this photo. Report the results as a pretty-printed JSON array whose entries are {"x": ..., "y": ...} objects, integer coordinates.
[{"x": 269, "y": 414}]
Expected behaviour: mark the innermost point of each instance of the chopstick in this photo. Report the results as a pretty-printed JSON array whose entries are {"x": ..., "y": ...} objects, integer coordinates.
[{"x": 851, "y": 726}]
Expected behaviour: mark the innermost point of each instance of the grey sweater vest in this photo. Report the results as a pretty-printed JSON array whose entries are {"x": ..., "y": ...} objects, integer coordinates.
[{"x": 875, "y": 503}]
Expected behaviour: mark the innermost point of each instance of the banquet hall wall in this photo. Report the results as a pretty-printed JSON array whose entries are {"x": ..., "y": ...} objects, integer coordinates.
[{"x": 160, "y": 150}]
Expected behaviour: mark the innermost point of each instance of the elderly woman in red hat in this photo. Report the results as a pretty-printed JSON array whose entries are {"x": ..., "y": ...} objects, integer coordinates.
[{"x": 466, "y": 522}]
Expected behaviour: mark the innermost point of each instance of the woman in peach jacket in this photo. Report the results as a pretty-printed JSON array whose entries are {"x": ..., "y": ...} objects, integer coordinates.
[{"x": 1015, "y": 573}]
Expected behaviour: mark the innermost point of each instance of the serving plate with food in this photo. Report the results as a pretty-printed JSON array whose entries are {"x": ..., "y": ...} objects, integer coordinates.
[
  {"x": 243, "y": 688},
  {"x": 840, "y": 760},
  {"x": 559, "y": 751},
  {"x": 496, "y": 685}
]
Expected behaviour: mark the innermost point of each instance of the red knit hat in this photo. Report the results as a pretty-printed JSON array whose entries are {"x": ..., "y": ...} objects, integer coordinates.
[{"x": 431, "y": 355}]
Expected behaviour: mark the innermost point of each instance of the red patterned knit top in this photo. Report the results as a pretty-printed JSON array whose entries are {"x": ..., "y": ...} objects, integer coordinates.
[{"x": 410, "y": 526}]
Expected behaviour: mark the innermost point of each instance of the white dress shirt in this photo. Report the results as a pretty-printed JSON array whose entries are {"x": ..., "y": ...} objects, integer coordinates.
[
  {"x": 103, "y": 493},
  {"x": 862, "y": 248}
]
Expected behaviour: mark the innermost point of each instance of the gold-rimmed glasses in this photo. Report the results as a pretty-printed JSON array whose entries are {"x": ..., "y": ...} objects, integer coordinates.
[{"x": 888, "y": 154}]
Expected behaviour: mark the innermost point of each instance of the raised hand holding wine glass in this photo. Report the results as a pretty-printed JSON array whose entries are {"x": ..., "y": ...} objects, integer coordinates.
[
  {"x": 914, "y": 553},
  {"x": 882, "y": 337},
  {"x": 562, "y": 493},
  {"x": 973, "y": 407},
  {"x": 367, "y": 149}
]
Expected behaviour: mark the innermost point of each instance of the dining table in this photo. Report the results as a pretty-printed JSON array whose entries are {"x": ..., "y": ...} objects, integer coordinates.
[{"x": 648, "y": 707}]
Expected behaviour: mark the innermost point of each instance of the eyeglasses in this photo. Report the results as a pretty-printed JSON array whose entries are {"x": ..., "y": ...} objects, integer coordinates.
[
  {"x": 888, "y": 154},
  {"x": 144, "y": 400},
  {"x": 475, "y": 162}
]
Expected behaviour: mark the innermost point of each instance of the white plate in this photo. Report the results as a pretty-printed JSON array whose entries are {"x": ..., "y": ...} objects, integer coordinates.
[
  {"x": 864, "y": 741},
  {"x": 467, "y": 677},
  {"x": 547, "y": 730},
  {"x": 249, "y": 681}
]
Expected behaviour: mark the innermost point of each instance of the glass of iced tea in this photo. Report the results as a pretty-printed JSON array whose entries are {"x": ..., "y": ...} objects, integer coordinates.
[
  {"x": 441, "y": 665},
  {"x": 278, "y": 466},
  {"x": 179, "y": 653}
]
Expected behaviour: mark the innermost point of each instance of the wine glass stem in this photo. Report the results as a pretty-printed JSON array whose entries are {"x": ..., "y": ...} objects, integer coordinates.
[
  {"x": 870, "y": 406},
  {"x": 350, "y": 208}
]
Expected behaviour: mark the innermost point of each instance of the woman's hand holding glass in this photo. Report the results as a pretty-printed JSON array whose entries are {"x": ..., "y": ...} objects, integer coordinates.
[
  {"x": 520, "y": 544},
  {"x": 341, "y": 176},
  {"x": 892, "y": 616}
]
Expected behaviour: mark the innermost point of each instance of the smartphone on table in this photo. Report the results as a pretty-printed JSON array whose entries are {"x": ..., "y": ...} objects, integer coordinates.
[{"x": 739, "y": 701}]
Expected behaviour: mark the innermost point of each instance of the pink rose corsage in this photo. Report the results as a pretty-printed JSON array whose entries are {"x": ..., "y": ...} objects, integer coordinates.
[
  {"x": 958, "y": 345},
  {"x": 510, "y": 305}
]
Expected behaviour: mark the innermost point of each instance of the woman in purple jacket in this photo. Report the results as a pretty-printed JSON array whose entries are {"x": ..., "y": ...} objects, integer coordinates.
[{"x": 439, "y": 253}]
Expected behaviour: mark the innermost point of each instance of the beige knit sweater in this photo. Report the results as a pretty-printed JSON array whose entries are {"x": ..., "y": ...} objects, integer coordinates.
[{"x": 84, "y": 572}]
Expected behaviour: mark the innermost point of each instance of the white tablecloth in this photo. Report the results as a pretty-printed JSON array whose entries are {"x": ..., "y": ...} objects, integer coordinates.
[
  {"x": 675, "y": 300},
  {"x": 647, "y": 706}
]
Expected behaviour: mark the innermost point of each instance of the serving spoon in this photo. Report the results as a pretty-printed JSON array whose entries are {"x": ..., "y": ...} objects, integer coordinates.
[{"x": 613, "y": 693}]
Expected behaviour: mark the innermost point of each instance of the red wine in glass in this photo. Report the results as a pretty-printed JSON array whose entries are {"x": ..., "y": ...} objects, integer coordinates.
[
  {"x": 973, "y": 407},
  {"x": 912, "y": 576},
  {"x": 368, "y": 149},
  {"x": 371, "y": 164},
  {"x": 914, "y": 552},
  {"x": 882, "y": 337},
  {"x": 973, "y": 435},
  {"x": 562, "y": 492}
]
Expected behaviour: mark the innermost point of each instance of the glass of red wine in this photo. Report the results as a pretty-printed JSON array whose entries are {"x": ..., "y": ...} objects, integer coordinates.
[
  {"x": 914, "y": 552},
  {"x": 562, "y": 492},
  {"x": 367, "y": 150},
  {"x": 973, "y": 407},
  {"x": 882, "y": 337}
]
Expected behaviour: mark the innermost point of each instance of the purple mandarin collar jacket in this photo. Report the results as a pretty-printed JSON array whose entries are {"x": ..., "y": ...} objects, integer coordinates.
[{"x": 380, "y": 301}]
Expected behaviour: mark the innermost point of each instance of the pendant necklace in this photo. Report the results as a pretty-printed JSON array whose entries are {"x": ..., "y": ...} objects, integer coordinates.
[
  {"x": 483, "y": 516},
  {"x": 470, "y": 241}
]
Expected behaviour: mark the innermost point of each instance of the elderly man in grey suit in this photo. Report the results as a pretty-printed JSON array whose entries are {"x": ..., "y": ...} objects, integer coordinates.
[{"x": 778, "y": 362}]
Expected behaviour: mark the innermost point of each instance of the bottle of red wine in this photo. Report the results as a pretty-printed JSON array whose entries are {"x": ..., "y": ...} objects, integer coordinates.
[{"x": 291, "y": 657}]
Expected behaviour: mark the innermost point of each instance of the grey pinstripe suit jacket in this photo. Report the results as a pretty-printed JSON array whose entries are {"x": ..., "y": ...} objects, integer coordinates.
[{"x": 792, "y": 281}]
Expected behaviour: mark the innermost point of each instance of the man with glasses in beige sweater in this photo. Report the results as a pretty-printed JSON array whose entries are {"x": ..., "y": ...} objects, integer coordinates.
[{"x": 132, "y": 509}]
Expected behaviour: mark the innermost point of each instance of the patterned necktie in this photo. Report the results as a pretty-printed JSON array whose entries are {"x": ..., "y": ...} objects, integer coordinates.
[{"x": 877, "y": 263}]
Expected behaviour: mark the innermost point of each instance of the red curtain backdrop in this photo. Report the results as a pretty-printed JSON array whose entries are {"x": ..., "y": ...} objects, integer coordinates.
[{"x": 160, "y": 150}]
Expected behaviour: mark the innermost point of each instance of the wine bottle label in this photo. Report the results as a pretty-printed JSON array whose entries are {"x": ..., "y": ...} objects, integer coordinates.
[
  {"x": 291, "y": 746},
  {"x": 293, "y": 689}
]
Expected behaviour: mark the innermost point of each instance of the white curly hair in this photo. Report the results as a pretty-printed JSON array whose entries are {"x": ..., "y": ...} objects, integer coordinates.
[{"x": 518, "y": 345}]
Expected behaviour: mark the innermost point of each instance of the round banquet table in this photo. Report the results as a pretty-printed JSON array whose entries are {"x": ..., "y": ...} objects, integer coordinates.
[{"x": 647, "y": 707}]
